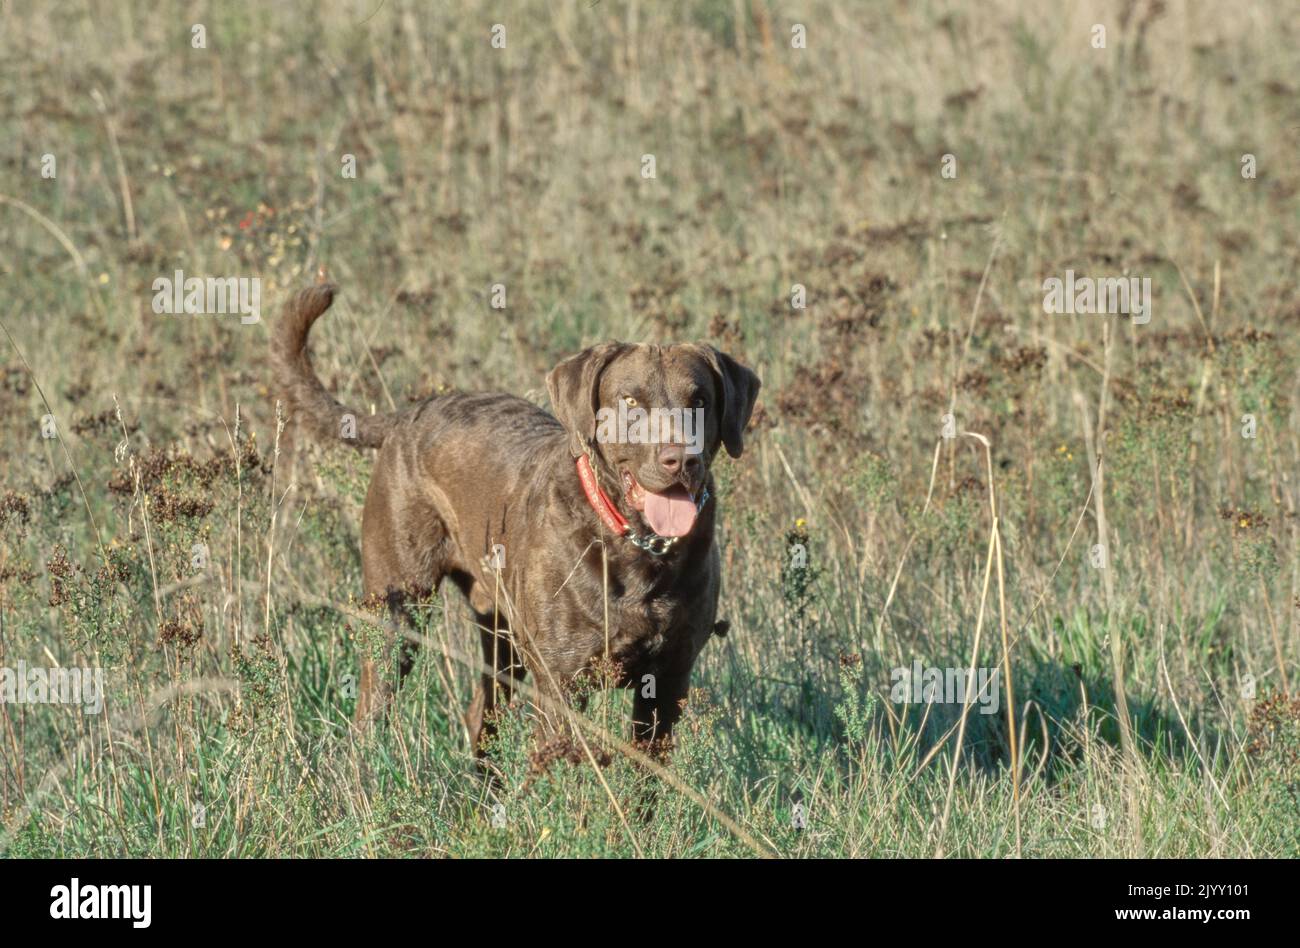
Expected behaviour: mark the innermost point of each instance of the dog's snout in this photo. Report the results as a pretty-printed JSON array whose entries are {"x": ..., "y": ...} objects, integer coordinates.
[
  {"x": 676, "y": 461},
  {"x": 672, "y": 457}
]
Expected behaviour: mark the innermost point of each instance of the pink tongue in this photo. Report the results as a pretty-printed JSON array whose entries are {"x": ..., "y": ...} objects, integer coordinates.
[{"x": 672, "y": 513}]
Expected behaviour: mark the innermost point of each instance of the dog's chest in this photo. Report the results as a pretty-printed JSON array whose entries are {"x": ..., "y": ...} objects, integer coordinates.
[
  {"x": 644, "y": 615},
  {"x": 641, "y": 631}
]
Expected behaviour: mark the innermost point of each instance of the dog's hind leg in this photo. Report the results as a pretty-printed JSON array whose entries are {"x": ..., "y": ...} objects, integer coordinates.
[
  {"x": 382, "y": 675},
  {"x": 402, "y": 581}
]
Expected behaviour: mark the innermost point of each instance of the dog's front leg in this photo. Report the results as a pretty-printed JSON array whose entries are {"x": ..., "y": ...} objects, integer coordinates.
[
  {"x": 493, "y": 692},
  {"x": 660, "y": 699}
]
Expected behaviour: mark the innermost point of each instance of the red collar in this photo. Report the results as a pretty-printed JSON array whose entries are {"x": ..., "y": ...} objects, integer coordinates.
[
  {"x": 614, "y": 521},
  {"x": 599, "y": 500}
]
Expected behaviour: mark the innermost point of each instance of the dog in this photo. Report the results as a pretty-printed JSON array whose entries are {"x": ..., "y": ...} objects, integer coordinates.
[{"x": 573, "y": 540}]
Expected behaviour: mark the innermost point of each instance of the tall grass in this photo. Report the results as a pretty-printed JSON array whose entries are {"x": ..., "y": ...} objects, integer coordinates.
[{"x": 1142, "y": 705}]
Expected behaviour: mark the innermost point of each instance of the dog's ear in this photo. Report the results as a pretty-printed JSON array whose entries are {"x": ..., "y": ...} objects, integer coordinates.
[
  {"x": 739, "y": 387},
  {"x": 574, "y": 387}
]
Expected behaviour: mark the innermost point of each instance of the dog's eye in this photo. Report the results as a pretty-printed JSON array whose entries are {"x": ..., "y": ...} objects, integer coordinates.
[
  {"x": 698, "y": 403},
  {"x": 629, "y": 401}
]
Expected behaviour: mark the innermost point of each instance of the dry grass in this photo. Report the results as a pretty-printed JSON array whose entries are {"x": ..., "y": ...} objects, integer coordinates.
[{"x": 230, "y": 686}]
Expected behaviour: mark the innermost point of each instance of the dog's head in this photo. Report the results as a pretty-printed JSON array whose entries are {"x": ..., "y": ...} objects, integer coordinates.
[{"x": 652, "y": 418}]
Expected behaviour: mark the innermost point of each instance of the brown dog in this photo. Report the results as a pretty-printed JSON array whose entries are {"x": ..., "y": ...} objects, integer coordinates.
[{"x": 513, "y": 506}]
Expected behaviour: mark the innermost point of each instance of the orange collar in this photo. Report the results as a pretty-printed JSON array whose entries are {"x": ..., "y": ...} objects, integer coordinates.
[
  {"x": 615, "y": 522},
  {"x": 599, "y": 500}
]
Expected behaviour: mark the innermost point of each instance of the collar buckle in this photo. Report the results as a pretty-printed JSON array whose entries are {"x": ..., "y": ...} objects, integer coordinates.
[{"x": 652, "y": 543}]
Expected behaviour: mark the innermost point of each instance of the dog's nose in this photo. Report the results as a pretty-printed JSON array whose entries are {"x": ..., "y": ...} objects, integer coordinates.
[{"x": 671, "y": 457}]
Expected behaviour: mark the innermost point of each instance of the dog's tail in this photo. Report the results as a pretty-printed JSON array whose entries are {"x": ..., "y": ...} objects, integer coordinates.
[{"x": 314, "y": 408}]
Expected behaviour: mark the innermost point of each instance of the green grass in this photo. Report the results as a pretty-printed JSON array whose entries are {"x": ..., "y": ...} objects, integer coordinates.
[{"x": 232, "y": 687}]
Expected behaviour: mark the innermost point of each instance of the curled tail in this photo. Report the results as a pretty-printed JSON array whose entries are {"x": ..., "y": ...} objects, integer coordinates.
[{"x": 314, "y": 408}]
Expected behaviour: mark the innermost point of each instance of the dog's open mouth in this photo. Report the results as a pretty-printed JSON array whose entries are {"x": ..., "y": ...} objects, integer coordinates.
[{"x": 670, "y": 512}]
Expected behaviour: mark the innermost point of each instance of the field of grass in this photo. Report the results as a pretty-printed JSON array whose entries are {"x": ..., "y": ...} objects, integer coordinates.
[{"x": 1142, "y": 705}]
